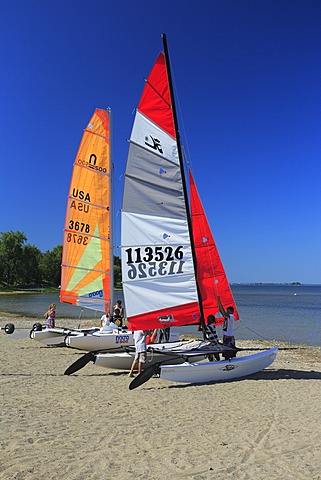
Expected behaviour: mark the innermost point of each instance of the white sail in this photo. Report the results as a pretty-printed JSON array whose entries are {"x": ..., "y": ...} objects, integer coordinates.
[{"x": 157, "y": 263}]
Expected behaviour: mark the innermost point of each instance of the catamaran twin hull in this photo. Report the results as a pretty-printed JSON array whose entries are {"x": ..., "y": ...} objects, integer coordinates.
[{"x": 218, "y": 371}]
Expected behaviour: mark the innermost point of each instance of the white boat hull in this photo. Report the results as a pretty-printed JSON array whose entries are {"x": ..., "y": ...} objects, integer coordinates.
[
  {"x": 123, "y": 361},
  {"x": 100, "y": 340},
  {"x": 218, "y": 371},
  {"x": 48, "y": 334}
]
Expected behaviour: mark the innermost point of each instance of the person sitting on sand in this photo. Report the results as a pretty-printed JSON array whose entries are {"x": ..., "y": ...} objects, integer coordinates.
[{"x": 50, "y": 316}]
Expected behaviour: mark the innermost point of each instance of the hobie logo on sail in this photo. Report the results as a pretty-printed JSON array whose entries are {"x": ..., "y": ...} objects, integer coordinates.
[
  {"x": 155, "y": 145},
  {"x": 99, "y": 293},
  {"x": 92, "y": 163},
  {"x": 166, "y": 319}
]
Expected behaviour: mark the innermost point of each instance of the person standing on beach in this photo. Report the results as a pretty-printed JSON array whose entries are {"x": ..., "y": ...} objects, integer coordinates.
[
  {"x": 228, "y": 329},
  {"x": 50, "y": 316},
  {"x": 165, "y": 333},
  {"x": 151, "y": 336},
  {"x": 211, "y": 335},
  {"x": 141, "y": 351}
]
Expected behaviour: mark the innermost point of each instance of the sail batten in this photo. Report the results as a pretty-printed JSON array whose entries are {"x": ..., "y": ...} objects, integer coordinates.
[
  {"x": 87, "y": 263},
  {"x": 86, "y": 269}
]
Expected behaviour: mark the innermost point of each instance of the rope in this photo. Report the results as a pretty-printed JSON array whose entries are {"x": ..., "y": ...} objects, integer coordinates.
[
  {"x": 251, "y": 330},
  {"x": 79, "y": 318}
]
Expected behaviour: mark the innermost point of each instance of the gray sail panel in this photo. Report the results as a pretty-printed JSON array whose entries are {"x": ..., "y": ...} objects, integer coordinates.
[{"x": 153, "y": 185}]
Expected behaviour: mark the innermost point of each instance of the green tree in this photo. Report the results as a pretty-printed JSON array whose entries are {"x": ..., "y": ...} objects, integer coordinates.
[
  {"x": 11, "y": 248},
  {"x": 30, "y": 271},
  {"x": 50, "y": 266},
  {"x": 117, "y": 272},
  {"x": 26, "y": 265}
]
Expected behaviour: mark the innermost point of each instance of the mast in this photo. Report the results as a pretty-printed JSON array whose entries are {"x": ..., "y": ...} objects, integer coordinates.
[
  {"x": 112, "y": 196},
  {"x": 181, "y": 164}
]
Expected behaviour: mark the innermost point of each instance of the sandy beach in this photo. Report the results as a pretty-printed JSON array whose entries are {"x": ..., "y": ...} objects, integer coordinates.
[{"x": 90, "y": 426}]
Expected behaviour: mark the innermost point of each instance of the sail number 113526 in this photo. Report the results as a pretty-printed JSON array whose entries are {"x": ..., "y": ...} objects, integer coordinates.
[
  {"x": 153, "y": 261},
  {"x": 158, "y": 254}
]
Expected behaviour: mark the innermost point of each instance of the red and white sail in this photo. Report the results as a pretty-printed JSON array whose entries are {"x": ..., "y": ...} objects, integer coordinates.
[
  {"x": 211, "y": 276},
  {"x": 157, "y": 263}
]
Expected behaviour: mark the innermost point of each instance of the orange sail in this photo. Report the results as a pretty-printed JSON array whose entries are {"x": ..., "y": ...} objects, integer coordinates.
[
  {"x": 211, "y": 276},
  {"x": 87, "y": 262}
]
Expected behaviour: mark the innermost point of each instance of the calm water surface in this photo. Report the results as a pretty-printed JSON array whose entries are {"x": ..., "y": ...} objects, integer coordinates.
[{"x": 288, "y": 313}]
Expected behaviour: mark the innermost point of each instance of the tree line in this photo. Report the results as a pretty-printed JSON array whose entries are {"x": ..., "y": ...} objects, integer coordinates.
[{"x": 24, "y": 265}]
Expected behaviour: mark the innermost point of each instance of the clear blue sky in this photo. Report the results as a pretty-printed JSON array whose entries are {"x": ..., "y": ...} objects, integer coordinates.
[{"x": 248, "y": 77}]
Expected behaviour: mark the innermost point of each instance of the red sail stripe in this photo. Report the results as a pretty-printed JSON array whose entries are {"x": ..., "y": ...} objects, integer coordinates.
[
  {"x": 155, "y": 102},
  {"x": 187, "y": 314}
]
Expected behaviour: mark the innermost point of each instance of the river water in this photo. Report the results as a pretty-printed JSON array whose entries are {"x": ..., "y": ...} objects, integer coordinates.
[{"x": 286, "y": 313}]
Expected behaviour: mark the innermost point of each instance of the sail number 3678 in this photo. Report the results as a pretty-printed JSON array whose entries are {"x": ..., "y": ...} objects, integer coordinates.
[
  {"x": 151, "y": 262},
  {"x": 79, "y": 226}
]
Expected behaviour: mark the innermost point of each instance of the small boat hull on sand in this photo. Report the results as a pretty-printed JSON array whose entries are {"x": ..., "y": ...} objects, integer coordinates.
[
  {"x": 101, "y": 340},
  {"x": 48, "y": 334},
  {"x": 123, "y": 361},
  {"x": 218, "y": 371}
]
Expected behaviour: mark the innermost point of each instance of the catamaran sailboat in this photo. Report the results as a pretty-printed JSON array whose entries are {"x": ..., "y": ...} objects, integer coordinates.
[
  {"x": 87, "y": 263},
  {"x": 171, "y": 270},
  {"x": 172, "y": 273}
]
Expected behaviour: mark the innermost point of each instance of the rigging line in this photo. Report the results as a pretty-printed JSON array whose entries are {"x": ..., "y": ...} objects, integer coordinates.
[
  {"x": 79, "y": 318},
  {"x": 253, "y": 331},
  {"x": 187, "y": 156},
  {"x": 182, "y": 170}
]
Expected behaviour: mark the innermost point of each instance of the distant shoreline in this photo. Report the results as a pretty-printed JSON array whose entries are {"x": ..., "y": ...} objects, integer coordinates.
[
  {"x": 49, "y": 290},
  {"x": 39, "y": 291},
  {"x": 271, "y": 284}
]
